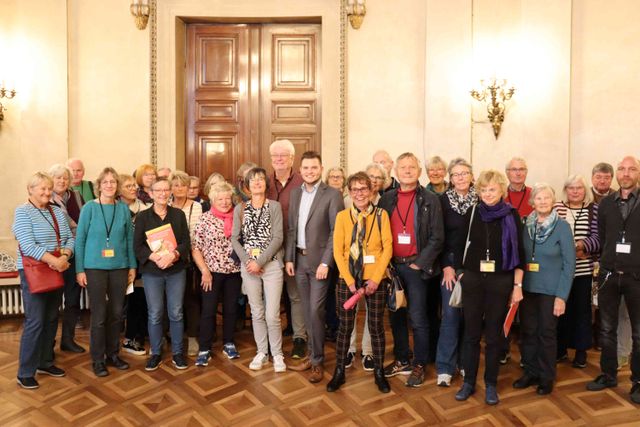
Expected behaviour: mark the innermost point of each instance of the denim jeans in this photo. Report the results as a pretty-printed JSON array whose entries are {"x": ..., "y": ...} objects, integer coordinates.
[
  {"x": 417, "y": 291},
  {"x": 155, "y": 287},
  {"x": 39, "y": 331},
  {"x": 447, "y": 355}
]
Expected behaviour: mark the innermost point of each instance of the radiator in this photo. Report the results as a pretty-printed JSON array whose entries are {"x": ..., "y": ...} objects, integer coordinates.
[{"x": 11, "y": 300}]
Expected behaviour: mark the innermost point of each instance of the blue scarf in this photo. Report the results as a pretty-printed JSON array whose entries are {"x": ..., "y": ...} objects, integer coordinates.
[
  {"x": 540, "y": 231},
  {"x": 502, "y": 210}
]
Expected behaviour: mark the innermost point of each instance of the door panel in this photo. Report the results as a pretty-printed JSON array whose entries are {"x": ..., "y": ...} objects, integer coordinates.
[{"x": 248, "y": 85}]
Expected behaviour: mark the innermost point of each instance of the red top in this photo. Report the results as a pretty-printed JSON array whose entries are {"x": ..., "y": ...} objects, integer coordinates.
[
  {"x": 281, "y": 194},
  {"x": 520, "y": 201},
  {"x": 402, "y": 221}
]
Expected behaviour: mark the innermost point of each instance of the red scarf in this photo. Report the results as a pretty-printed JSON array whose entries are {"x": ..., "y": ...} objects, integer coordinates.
[{"x": 227, "y": 218}]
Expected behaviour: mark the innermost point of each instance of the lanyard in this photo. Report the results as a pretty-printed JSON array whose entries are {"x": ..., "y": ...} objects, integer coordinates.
[
  {"x": 524, "y": 193},
  {"x": 104, "y": 218},
  {"x": 575, "y": 218},
  {"x": 45, "y": 217},
  {"x": 533, "y": 250},
  {"x": 488, "y": 238},
  {"x": 631, "y": 206},
  {"x": 257, "y": 225},
  {"x": 406, "y": 216},
  {"x": 366, "y": 243}
]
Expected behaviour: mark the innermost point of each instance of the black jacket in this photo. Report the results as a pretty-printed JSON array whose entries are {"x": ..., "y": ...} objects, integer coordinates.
[
  {"x": 428, "y": 225},
  {"x": 610, "y": 226}
]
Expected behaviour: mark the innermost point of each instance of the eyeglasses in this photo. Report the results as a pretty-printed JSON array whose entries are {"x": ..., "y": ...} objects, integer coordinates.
[
  {"x": 162, "y": 190},
  {"x": 375, "y": 178},
  {"x": 129, "y": 186},
  {"x": 436, "y": 170},
  {"x": 257, "y": 179},
  {"x": 360, "y": 190},
  {"x": 280, "y": 156},
  {"x": 109, "y": 182},
  {"x": 336, "y": 177},
  {"x": 517, "y": 170},
  {"x": 460, "y": 174},
  {"x": 575, "y": 188}
]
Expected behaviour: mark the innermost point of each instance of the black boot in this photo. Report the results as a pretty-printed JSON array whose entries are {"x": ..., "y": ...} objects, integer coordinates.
[
  {"x": 68, "y": 344},
  {"x": 381, "y": 381},
  {"x": 337, "y": 380}
]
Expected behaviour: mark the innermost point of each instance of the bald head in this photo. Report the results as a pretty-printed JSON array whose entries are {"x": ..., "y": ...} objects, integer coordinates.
[
  {"x": 383, "y": 158},
  {"x": 627, "y": 174},
  {"x": 77, "y": 171}
]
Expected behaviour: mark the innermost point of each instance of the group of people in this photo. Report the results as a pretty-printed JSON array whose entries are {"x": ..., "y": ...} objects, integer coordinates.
[{"x": 290, "y": 235}]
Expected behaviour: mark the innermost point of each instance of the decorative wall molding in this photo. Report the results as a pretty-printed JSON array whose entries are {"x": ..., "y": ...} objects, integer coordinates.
[
  {"x": 153, "y": 81},
  {"x": 343, "y": 84}
]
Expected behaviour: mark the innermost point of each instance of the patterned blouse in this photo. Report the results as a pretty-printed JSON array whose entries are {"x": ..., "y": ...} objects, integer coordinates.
[
  {"x": 256, "y": 228},
  {"x": 216, "y": 249}
]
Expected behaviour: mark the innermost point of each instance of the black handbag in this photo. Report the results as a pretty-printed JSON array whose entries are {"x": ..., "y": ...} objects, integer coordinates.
[{"x": 395, "y": 290}]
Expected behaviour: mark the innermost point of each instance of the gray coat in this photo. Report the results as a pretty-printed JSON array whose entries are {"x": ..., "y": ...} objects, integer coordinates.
[{"x": 275, "y": 246}]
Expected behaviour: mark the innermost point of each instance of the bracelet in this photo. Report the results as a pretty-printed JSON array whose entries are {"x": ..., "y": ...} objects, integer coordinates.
[{"x": 517, "y": 285}]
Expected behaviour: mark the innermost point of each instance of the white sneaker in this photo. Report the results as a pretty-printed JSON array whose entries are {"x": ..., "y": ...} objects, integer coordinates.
[
  {"x": 444, "y": 380},
  {"x": 278, "y": 364},
  {"x": 258, "y": 362}
]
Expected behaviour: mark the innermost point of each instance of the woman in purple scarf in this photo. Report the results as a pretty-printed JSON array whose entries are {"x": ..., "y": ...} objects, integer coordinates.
[{"x": 493, "y": 269}]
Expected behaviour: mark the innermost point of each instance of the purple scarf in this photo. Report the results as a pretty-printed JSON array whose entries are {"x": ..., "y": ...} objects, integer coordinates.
[{"x": 502, "y": 210}]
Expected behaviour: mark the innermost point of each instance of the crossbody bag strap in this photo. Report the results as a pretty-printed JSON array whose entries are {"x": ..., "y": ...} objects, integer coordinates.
[{"x": 466, "y": 243}]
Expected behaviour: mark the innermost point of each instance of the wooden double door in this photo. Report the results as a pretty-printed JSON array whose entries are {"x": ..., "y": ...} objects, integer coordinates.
[{"x": 247, "y": 86}]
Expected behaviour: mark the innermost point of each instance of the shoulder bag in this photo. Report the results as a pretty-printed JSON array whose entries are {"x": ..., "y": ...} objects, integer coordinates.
[{"x": 455, "y": 300}]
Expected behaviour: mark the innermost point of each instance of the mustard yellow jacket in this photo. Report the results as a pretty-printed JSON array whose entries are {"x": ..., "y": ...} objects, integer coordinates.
[{"x": 378, "y": 244}]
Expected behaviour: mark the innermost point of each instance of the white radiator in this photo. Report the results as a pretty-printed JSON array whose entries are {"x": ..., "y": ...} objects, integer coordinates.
[{"x": 11, "y": 300}]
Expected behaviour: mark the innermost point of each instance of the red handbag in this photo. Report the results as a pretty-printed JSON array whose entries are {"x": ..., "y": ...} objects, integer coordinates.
[{"x": 40, "y": 277}]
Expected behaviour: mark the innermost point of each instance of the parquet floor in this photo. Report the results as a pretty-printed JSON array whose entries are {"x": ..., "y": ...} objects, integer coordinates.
[{"x": 227, "y": 393}]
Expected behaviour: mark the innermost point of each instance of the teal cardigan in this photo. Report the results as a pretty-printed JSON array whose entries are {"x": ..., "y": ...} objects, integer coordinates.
[
  {"x": 91, "y": 237},
  {"x": 557, "y": 261}
]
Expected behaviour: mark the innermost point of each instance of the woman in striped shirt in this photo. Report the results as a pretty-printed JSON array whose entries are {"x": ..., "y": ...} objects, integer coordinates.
[
  {"x": 579, "y": 210},
  {"x": 36, "y": 226}
]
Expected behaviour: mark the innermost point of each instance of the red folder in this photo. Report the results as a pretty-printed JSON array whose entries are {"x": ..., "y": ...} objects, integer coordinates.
[{"x": 511, "y": 314}]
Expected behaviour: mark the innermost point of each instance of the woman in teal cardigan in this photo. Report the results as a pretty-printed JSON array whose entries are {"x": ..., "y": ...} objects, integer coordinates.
[
  {"x": 105, "y": 265},
  {"x": 550, "y": 264}
]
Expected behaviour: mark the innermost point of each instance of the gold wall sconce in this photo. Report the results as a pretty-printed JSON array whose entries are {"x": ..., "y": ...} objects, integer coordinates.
[
  {"x": 495, "y": 94},
  {"x": 356, "y": 10},
  {"x": 140, "y": 11},
  {"x": 4, "y": 93}
]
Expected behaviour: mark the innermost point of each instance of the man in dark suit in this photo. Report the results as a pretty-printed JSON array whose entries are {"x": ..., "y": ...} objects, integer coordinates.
[{"x": 309, "y": 253}]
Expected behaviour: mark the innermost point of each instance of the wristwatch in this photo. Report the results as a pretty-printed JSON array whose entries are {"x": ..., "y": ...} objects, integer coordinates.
[{"x": 519, "y": 285}]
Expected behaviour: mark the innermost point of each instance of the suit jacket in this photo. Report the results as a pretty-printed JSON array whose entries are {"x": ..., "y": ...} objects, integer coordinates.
[{"x": 319, "y": 228}]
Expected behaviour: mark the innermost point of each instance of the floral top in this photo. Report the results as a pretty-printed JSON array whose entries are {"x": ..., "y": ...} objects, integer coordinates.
[{"x": 209, "y": 238}]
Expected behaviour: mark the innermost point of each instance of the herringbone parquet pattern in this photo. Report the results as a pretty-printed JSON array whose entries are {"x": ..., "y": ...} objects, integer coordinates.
[{"x": 228, "y": 393}]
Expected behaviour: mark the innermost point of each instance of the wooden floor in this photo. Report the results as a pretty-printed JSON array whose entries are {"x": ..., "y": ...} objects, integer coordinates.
[{"x": 228, "y": 393}]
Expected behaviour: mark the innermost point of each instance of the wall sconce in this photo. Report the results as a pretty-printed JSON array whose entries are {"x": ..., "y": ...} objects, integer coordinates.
[
  {"x": 4, "y": 93},
  {"x": 356, "y": 11},
  {"x": 140, "y": 11},
  {"x": 495, "y": 95}
]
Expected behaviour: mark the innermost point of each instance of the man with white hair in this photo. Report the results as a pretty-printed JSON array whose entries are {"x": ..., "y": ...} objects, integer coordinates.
[
  {"x": 85, "y": 188},
  {"x": 164, "y": 172},
  {"x": 283, "y": 180},
  {"x": 619, "y": 275},
  {"x": 383, "y": 157}
]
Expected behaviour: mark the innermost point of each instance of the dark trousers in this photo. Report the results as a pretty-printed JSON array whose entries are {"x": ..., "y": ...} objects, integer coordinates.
[
  {"x": 332, "y": 310},
  {"x": 538, "y": 326},
  {"x": 136, "y": 315},
  {"x": 375, "y": 307},
  {"x": 71, "y": 312},
  {"x": 417, "y": 293},
  {"x": 192, "y": 302},
  {"x": 227, "y": 286},
  {"x": 313, "y": 295},
  {"x": 106, "y": 290},
  {"x": 574, "y": 326},
  {"x": 39, "y": 330},
  {"x": 434, "y": 314},
  {"x": 485, "y": 297},
  {"x": 609, "y": 302}
]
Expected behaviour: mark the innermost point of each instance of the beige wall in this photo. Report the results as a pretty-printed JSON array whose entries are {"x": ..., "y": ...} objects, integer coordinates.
[{"x": 82, "y": 73}]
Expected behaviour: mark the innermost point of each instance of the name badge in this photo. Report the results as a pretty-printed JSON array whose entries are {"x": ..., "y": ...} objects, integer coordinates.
[
  {"x": 404, "y": 239},
  {"x": 108, "y": 253},
  {"x": 487, "y": 266},
  {"x": 533, "y": 267},
  {"x": 369, "y": 259},
  {"x": 255, "y": 252},
  {"x": 623, "y": 248}
]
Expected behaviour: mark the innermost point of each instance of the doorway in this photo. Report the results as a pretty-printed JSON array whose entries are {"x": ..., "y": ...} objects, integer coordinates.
[{"x": 247, "y": 86}]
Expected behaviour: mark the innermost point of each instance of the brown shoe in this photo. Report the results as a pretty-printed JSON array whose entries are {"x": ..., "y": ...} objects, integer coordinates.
[
  {"x": 304, "y": 365},
  {"x": 316, "y": 375}
]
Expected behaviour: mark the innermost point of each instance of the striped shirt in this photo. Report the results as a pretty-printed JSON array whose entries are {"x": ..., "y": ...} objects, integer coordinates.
[
  {"x": 35, "y": 233},
  {"x": 578, "y": 219}
]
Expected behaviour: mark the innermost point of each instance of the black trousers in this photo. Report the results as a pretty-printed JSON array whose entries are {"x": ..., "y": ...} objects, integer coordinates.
[
  {"x": 136, "y": 315},
  {"x": 106, "y": 290},
  {"x": 375, "y": 307},
  {"x": 71, "y": 312},
  {"x": 227, "y": 286},
  {"x": 434, "y": 314},
  {"x": 485, "y": 297},
  {"x": 574, "y": 326},
  {"x": 609, "y": 303},
  {"x": 538, "y": 326},
  {"x": 192, "y": 302}
]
